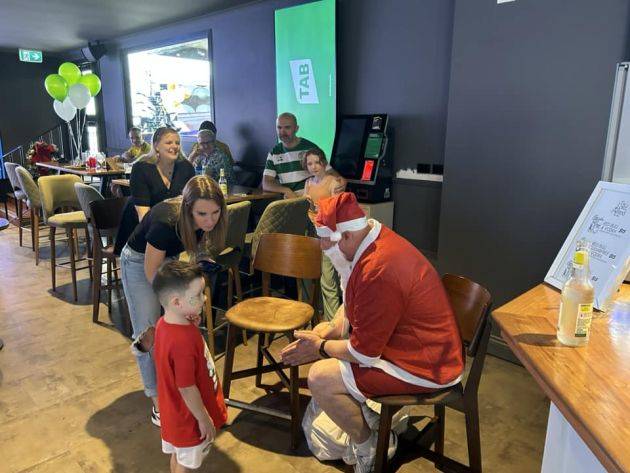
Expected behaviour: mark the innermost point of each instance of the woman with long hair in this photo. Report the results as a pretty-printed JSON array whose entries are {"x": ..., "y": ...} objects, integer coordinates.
[
  {"x": 185, "y": 223},
  {"x": 158, "y": 175}
]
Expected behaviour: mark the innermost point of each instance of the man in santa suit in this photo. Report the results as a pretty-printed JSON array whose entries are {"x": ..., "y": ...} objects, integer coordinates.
[{"x": 396, "y": 332}]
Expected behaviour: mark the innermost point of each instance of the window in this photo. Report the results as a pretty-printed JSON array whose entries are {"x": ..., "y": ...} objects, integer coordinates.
[
  {"x": 170, "y": 85},
  {"x": 92, "y": 128}
]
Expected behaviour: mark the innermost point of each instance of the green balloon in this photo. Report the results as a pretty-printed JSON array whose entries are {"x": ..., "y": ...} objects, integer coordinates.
[
  {"x": 92, "y": 82},
  {"x": 56, "y": 86},
  {"x": 70, "y": 72}
]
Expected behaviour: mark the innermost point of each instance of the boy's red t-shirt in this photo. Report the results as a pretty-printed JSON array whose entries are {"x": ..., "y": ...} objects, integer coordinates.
[{"x": 182, "y": 359}]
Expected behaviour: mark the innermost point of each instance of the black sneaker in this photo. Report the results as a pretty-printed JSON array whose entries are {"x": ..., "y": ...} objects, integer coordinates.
[{"x": 155, "y": 416}]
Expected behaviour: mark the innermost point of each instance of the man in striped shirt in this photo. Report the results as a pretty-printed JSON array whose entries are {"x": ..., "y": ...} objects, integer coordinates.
[{"x": 283, "y": 170}]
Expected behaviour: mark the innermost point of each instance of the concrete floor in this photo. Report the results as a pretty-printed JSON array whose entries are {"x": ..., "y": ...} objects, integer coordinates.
[{"x": 71, "y": 398}]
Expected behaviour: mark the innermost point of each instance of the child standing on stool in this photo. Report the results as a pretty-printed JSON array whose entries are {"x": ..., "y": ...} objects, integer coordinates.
[{"x": 190, "y": 397}]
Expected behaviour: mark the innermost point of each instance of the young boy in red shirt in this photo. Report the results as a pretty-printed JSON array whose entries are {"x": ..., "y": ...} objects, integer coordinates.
[{"x": 190, "y": 397}]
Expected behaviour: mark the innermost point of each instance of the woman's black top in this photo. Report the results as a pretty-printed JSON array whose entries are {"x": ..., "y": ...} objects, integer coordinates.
[
  {"x": 148, "y": 189},
  {"x": 159, "y": 227}
]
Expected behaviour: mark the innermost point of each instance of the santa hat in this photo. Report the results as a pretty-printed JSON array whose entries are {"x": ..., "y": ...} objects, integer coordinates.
[{"x": 338, "y": 214}]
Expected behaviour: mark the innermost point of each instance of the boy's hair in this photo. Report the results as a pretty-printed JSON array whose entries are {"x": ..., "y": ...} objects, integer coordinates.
[
  {"x": 317, "y": 152},
  {"x": 174, "y": 277}
]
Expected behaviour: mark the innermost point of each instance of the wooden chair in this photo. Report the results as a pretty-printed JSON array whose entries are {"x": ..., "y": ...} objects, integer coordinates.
[
  {"x": 471, "y": 304},
  {"x": 287, "y": 255},
  {"x": 34, "y": 203},
  {"x": 105, "y": 216},
  {"x": 57, "y": 193},
  {"x": 19, "y": 199}
]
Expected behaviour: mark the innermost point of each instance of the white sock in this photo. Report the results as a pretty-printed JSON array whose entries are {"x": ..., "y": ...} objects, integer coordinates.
[{"x": 366, "y": 447}]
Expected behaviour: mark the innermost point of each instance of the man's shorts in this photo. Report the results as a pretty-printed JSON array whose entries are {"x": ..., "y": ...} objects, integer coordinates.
[
  {"x": 190, "y": 457},
  {"x": 363, "y": 382}
]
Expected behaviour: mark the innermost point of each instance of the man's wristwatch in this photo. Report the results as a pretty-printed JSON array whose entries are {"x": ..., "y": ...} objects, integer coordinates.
[{"x": 322, "y": 350}]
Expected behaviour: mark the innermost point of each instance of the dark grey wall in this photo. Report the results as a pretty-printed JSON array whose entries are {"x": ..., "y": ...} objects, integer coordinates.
[
  {"x": 393, "y": 57},
  {"x": 25, "y": 108},
  {"x": 530, "y": 93}
]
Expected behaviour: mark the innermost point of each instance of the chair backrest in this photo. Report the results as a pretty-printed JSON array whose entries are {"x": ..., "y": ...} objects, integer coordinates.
[
  {"x": 29, "y": 186},
  {"x": 238, "y": 216},
  {"x": 13, "y": 179},
  {"x": 281, "y": 216},
  {"x": 294, "y": 256},
  {"x": 86, "y": 194},
  {"x": 106, "y": 216},
  {"x": 471, "y": 303},
  {"x": 57, "y": 192}
]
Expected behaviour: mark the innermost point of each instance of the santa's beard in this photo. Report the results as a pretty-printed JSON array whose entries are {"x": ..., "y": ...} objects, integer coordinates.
[{"x": 341, "y": 264}]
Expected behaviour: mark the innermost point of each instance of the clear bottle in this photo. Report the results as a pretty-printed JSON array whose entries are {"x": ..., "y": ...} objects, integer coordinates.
[
  {"x": 223, "y": 183},
  {"x": 576, "y": 306}
]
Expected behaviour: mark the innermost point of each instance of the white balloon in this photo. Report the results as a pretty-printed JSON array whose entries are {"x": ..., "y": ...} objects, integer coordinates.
[
  {"x": 79, "y": 95},
  {"x": 65, "y": 110}
]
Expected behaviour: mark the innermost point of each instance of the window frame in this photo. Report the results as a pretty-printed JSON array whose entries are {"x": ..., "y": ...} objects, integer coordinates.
[{"x": 206, "y": 34}]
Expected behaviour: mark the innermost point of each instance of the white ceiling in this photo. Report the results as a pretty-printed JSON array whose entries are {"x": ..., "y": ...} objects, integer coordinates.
[{"x": 59, "y": 25}]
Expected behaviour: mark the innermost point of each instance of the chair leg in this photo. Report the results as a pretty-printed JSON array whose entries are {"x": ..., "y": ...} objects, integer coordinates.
[
  {"x": 230, "y": 289},
  {"x": 229, "y": 360},
  {"x": 19, "y": 216},
  {"x": 97, "y": 268},
  {"x": 382, "y": 445},
  {"x": 35, "y": 225},
  {"x": 207, "y": 309},
  {"x": 440, "y": 413},
  {"x": 88, "y": 250},
  {"x": 472, "y": 437},
  {"x": 296, "y": 422},
  {"x": 73, "y": 268},
  {"x": 259, "y": 358},
  {"x": 237, "y": 283},
  {"x": 53, "y": 258},
  {"x": 32, "y": 214},
  {"x": 109, "y": 286}
]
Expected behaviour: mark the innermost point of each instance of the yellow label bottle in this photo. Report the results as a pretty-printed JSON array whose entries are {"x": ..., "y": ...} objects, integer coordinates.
[
  {"x": 223, "y": 183},
  {"x": 576, "y": 306}
]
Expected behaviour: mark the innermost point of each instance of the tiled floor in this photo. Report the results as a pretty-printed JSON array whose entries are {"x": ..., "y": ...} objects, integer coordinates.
[{"x": 71, "y": 399}]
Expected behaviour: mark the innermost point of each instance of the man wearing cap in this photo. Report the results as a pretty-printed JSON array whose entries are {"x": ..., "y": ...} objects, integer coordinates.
[{"x": 395, "y": 334}]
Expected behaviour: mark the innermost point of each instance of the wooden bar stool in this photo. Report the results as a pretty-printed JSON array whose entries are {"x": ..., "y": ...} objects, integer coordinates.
[
  {"x": 57, "y": 193},
  {"x": 34, "y": 202},
  {"x": 471, "y": 304},
  {"x": 105, "y": 216},
  {"x": 286, "y": 255},
  {"x": 19, "y": 198}
]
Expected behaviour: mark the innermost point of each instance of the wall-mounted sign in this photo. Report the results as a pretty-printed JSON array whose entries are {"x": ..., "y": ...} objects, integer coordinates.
[
  {"x": 30, "y": 55},
  {"x": 605, "y": 223}
]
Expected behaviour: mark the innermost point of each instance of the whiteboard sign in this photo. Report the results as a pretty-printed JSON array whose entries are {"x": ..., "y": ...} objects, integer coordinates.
[{"x": 605, "y": 223}]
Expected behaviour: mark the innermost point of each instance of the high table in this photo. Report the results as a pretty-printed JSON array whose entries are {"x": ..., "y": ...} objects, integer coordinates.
[
  {"x": 104, "y": 175},
  {"x": 589, "y": 387},
  {"x": 236, "y": 193}
]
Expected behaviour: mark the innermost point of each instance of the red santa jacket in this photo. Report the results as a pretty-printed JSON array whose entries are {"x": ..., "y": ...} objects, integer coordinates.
[{"x": 401, "y": 319}]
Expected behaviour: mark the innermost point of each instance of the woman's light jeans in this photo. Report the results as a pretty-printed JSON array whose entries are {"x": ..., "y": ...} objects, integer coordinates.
[{"x": 144, "y": 310}]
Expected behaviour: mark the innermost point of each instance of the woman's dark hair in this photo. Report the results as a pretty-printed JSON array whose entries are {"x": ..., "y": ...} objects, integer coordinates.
[
  {"x": 208, "y": 125},
  {"x": 316, "y": 152}
]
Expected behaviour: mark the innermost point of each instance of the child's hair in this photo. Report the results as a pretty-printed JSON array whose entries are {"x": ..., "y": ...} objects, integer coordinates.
[
  {"x": 317, "y": 152},
  {"x": 174, "y": 276}
]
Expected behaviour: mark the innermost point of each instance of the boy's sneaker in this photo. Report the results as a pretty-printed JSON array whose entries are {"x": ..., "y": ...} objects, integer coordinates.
[
  {"x": 365, "y": 459},
  {"x": 155, "y": 417}
]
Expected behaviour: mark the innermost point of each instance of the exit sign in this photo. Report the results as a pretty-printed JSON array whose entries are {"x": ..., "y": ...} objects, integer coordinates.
[{"x": 28, "y": 55}]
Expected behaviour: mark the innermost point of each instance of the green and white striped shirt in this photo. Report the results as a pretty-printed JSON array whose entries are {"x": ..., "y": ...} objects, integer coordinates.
[{"x": 286, "y": 164}]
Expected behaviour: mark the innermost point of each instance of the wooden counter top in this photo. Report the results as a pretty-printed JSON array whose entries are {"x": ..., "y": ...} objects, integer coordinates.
[{"x": 590, "y": 385}]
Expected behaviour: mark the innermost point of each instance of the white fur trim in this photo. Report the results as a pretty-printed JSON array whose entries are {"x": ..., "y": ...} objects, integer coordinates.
[
  {"x": 352, "y": 225},
  {"x": 347, "y": 376},
  {"x": 326, "y": 232}
]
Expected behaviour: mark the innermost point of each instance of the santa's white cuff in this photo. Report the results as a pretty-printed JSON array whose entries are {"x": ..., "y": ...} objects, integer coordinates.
[{"x": 363, "y": 360}]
